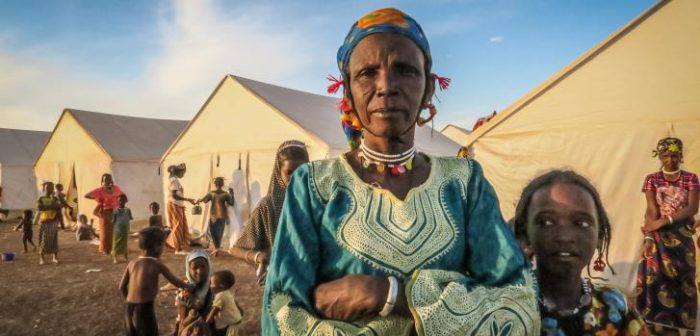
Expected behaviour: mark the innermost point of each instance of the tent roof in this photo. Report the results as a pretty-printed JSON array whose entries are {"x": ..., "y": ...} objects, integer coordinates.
[
  {"x": 461, "y": 129},
  {"x": 318, "y": 115},
  {"x": 562, "y": 74},
  {"x": 20, "y": 147},
  {"x": 129, "y": 138}
]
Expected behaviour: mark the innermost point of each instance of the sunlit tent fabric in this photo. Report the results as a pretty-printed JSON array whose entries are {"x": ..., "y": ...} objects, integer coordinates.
[
  {"x": 456, "y": 133},
  {"x": 18, "y": 151},
  {"x": 602, "y": 116},
  {"x": 84, "y": 145},
  {"x": 250, "y": 119}
]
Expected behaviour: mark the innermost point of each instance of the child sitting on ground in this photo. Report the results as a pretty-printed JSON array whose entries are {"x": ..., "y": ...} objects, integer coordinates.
[
  {"x": 561, "y": 218},
  {"x": 84, "y": 231},
  {"x": 225, "y": 312},
  {"x": 26, "y": 227},
  {"x": 139, "y": 285},
  {"x": 120, "y": 238}
]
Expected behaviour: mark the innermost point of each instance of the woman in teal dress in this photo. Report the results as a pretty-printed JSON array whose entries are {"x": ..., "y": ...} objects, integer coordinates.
[{"x": 386, "y": 240}]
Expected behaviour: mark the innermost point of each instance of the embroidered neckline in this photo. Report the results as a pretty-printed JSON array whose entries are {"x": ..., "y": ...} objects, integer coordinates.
[{"x": 425, "y": 185}]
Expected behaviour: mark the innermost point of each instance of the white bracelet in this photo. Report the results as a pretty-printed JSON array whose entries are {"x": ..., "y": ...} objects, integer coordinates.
[
  {"x": 255, "y": 258},
  {"x": 670, "y": 219},
  {"x": 648, "y": 238},
  {"x": 391, "y": 297}
]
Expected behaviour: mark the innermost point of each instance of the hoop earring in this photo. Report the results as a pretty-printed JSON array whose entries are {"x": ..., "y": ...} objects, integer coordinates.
[{"x": 432, "y": 111}]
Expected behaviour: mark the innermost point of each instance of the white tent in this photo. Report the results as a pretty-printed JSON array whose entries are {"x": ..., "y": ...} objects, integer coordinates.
[
  {"x": 85, "y": 145},
  {"x": 602, "y": 116},
  {"x": 249, "y": 119},
  {"x": 456, "y": 133},
  {"x": 18, "y": 150}
]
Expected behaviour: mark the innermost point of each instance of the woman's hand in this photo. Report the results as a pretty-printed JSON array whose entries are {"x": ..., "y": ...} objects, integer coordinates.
[
  {"x": 351, "y": 297},
  {"x": 654, "y": 225}
]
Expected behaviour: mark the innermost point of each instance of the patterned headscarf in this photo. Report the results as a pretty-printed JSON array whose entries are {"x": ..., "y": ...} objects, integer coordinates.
[
  {"x": 262, "y": 225},
  {"x": 385, "y": 20},
  {"x": 673, "y": 145}
]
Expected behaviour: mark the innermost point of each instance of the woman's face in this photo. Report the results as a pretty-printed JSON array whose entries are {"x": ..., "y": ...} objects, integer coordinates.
[
  {"x": 48, "y": 189},
  {"x": 107, "y": 182},
  {"x": 199, "y": 269},
  {"x": 387, "y": 84},
  {"x": 287, "y": 168},
  {"x": 562, "y": 228},
  {"x": 671, "y": 160}
]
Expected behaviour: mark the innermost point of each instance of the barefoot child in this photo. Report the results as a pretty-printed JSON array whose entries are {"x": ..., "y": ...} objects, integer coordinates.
[
  {"x": 139, "y": 285},
  {"x": 225, "y": 313},
  {"x": 84, "y": 231},
  {"x": 218, "y": 213},
  {"x": 561, "y": 218},
  {"x": 48, "y": 207},
  {"x": 27, "y": 232},
  {"x": 120, "y": 238}
]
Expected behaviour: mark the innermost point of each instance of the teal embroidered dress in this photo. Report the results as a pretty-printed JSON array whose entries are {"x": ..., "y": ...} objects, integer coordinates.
[{"x": 447, "y": 241}]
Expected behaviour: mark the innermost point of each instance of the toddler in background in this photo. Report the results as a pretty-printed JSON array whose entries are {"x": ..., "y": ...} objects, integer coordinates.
[{"x": 26, "y": 227}]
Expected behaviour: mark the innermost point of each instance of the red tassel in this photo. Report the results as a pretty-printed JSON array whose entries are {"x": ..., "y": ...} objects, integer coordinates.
[
  {"x": 599, "y": 265},
  {"x": 343, "y": 106},
  {"x": 443, "y": 82},
  {"x": 335, "y": 83}
]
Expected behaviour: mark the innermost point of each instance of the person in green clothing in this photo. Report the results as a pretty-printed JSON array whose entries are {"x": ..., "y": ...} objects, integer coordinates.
[
  {"x": 120, "y": 238},
  {"x": 385, "y": 239}
]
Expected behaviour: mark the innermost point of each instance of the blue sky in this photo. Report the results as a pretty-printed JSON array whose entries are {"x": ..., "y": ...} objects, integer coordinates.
[{"x": 163, "y": 58}]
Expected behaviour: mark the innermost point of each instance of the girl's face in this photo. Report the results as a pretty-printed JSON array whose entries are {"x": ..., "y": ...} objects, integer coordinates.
[
  {"x": 287, "y": 168},
  {"x": 562, "y": 228},
  {"x": 671, "y": 160},
  {"x": 199, "y": 269},
  {"x": 122, "y": 201}
]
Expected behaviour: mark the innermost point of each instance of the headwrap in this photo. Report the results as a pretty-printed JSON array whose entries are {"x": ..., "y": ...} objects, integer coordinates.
[
  {"x": 673, "y": 145},
  {"x": 262, "y": 225},
  {"x": 202, "y": 287},
  {"x": 385, "y": 20}
]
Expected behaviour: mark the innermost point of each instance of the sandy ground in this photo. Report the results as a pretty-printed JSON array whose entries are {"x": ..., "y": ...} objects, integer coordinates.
[{"x": 65, "y": 300}]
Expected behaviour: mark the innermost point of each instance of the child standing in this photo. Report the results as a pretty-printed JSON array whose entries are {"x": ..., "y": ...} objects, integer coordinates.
[
  {"x": 218, "y": 213},
  {"x": 26, "y": 226},
  {"x": 139, "y": 285},
  {"x": 225, "y": 313},
  {"x": 561, "y": 218},
  {"x": 120, "y": 237},
  {"x": 64, "y": 214},
  {"x": 155, "y": 219},
  {"x": 48, "y": 220}
]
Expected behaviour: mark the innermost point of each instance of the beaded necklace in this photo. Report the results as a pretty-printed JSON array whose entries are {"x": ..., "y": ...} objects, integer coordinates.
[
  {"x": 551, "y": 325},
  {"x": 397, "y": 164}
]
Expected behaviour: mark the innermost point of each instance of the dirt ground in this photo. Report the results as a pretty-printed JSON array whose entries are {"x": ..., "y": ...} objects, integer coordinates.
[{"x": 65, "y": 300}]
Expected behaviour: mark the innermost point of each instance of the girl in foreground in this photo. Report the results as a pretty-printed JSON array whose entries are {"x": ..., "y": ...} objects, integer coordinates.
[{"x": 561, "y": 218}]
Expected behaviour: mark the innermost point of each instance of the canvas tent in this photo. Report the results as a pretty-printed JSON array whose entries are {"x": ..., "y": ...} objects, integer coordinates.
[
  {"x": 248, "y": 119},
  {"x": 84, "y": 145},
  {"x": 18, "y": 150},
  {"x": 455, "y": 133},
  {"x": 602, "y": 115}
]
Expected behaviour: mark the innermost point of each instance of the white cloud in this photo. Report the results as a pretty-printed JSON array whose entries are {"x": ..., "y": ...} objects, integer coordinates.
[
  {"x": 199, "y": 42},
  {"x": 496, "y": 39}
]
